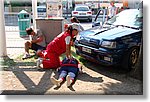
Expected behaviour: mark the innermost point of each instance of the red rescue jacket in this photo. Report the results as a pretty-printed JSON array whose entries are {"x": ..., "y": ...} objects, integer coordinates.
[{"x": 58, "y": 45}]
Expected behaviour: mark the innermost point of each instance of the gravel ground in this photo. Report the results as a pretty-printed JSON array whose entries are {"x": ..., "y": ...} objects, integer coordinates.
[{"x": 95, "y": 79}]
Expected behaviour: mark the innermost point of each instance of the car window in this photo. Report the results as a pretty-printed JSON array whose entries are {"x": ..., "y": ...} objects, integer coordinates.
[
  {"x": 82, "y": 9},
  {"x": 132, "y": 18}
]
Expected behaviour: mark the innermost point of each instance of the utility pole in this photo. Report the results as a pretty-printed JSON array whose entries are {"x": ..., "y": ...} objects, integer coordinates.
[
  {"x": 34, "y": 11},
  {"x": 3, "y": 51}
]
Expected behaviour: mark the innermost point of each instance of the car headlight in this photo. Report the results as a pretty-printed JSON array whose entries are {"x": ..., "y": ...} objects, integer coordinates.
[{"x": 108, "y": 44}]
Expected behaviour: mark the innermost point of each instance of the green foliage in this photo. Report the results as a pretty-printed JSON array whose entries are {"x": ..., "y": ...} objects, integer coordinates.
[{"x": 6, "y": 62}]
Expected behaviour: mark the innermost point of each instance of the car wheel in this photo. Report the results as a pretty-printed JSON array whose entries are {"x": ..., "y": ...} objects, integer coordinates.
[{"x": 130, "y": 59}]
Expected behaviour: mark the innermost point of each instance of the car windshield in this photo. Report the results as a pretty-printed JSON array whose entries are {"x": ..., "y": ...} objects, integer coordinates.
[
  {"x": 131, "y": 18},
  {"x": 82, "y": 9}
]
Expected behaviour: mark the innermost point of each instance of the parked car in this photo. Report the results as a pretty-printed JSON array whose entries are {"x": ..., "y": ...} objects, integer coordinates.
[
  {"x": 116, "y": 44},
  {"x": 82, "y": 12}
]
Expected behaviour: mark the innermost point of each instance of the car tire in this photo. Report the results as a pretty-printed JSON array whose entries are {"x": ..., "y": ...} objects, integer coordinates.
[{"x": 130, "y": 59}]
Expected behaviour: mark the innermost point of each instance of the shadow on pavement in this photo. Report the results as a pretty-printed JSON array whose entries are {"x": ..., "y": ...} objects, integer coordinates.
[
  {"x": 30, "y": 87},
  {"x": 88, "y": 78},
  {"x": 111, "y": 72}
]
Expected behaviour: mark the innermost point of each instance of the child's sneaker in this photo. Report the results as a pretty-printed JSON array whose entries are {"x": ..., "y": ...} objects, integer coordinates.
[{"x": 69, "y": 80}]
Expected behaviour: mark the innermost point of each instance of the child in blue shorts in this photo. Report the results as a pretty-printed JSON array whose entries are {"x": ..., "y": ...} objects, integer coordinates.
[{"x": 69, "y": 70}]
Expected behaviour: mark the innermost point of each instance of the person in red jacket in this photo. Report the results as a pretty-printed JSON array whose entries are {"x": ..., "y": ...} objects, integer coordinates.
[{"x": 49, "y": 58}]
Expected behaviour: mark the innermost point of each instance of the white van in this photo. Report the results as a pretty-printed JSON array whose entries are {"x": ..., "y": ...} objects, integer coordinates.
[{"x": 41, "y": 11}]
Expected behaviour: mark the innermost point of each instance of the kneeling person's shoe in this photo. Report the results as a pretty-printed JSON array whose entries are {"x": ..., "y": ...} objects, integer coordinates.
[{"x": 26, "y": 56}]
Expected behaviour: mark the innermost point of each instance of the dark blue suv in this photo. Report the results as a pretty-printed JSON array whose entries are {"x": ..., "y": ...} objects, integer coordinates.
[{"x": 117, "y": 42}]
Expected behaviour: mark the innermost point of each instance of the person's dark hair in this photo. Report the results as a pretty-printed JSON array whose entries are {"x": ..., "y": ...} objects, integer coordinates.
[
  {"x": 75, "y": 20},
  {"x": 69, "y": 29},
  {"x": 59, "y": 6},
  {"x": 29, "y": 31}
]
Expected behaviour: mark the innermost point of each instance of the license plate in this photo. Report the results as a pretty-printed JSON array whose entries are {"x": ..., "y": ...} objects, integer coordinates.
[
  {"x": 82, "y": 13},
  {"x": 107, "y": 59},
  {"x": 86, "y": 50}
]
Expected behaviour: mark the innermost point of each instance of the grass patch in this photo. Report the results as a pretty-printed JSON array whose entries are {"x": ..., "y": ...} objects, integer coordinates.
[
  {"x": 81, "y": 59},
  {"x": 26, "y": 62},
  {"x": 32, "y": 53},
  {"x": 6, "y": 62},
  {"x": 32, "y": 59}
]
